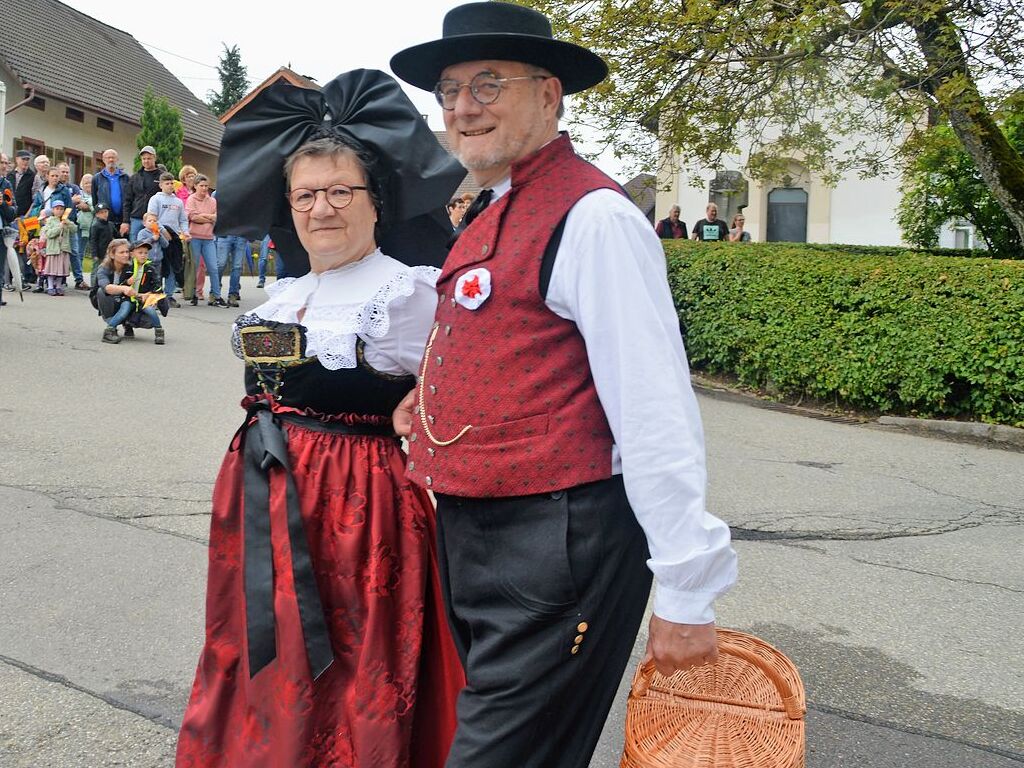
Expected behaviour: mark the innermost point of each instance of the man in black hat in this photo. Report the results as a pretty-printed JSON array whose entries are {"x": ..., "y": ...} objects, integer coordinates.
[
  {"x": 22, "y": 179},
  {"x": 554, "y": 418}
]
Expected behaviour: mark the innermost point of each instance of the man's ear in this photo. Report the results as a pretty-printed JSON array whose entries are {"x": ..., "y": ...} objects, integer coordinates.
[{"x": 551, "y": 89}]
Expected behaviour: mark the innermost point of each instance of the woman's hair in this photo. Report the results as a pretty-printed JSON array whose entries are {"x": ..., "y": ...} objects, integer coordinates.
[
  {"x": 108, "y": 258},
  {"x": 185, "y": 171},
  {"x": 330, "y": 147},
  {"x": 82, "y": 180},
  {"x": 199, "y": 178},
  {"x": 737, "y": 216}
]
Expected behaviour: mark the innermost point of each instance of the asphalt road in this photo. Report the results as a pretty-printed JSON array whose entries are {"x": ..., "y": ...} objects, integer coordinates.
[{"x": 887, "y": 565}]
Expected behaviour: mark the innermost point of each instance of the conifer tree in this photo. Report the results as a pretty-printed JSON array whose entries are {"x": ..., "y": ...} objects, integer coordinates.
[
  {"x": 161, "y": 129},
  {"x": 234, "y": 81}
]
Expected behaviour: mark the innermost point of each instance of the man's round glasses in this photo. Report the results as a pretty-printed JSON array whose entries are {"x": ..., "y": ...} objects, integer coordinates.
[
  {"x": 338, "y": 196},
  {"x": 485, "y": 88}
]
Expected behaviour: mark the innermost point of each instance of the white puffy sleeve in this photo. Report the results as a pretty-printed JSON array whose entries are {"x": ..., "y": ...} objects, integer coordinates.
[{"x": 410, "y": 304}]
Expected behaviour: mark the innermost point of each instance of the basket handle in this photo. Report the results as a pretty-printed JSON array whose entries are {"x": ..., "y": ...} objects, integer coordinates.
[{"x": 790, "y": 699}]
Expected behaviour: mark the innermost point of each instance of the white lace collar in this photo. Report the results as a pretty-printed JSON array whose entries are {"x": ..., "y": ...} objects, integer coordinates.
[{"x": 342, "y": 304}]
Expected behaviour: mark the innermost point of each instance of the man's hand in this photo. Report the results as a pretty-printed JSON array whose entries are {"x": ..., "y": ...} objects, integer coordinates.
[
  {"x": 124, "y": 229},
  {"x": 680, "y": 646},
  {"x": 402, "y": 417}
]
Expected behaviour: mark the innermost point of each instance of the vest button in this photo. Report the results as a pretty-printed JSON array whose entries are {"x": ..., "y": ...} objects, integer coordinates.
[
  {"x": 431, "y": 451},
  {"x": 412, "y": 438},
  {"x": 428, "y": 480},
  {"x": 430, "y": 419},
  {"x": 447, "y": 330},
  {"x": 412, "y": 466},
  {"x": 484, "y": 249},
  {"x": 454, "y": 302},
  {"x": 440, "y": 360},
  {"x": 433, "y": 389},
  {"x": 441, "y": 299},
  {"x": 582, "y": 626}
]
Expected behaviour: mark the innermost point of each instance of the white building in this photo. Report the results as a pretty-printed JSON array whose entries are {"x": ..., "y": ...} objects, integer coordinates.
[{"x": 797, "y": 206}]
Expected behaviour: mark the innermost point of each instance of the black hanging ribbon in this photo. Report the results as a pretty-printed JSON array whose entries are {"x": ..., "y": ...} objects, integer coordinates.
[{"x": 266, "y": 447}]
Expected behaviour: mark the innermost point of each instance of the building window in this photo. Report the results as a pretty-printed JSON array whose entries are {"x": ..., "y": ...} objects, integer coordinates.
[
  {"x": 35, "y": 146},
  {"x": 76, "y": 163},
  {"x": 37, "y": 103},
  {"x": 102, "y": 122},
  {"x": 74, "y": 114},
  {"x": 962, "y": 237}
]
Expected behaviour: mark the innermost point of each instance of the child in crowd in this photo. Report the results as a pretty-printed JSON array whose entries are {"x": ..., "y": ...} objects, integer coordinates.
[
  {"x": 170, "y": 212},
  {"x": 129, "y": 291},
  {"x": 85, "y": 217},
  {"x": 102, "y": 231},
  {"x": 159, "y": 238},
  {"x": 57, "y": 231}
]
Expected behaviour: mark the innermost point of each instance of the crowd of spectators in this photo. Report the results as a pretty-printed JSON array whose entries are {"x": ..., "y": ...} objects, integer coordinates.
[
  {"x": 709, "y": 228},
  {"x": 60, "y": 224}
]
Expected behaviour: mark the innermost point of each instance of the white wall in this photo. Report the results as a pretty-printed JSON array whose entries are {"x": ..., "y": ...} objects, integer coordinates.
[{"x": 864, "y": 211}]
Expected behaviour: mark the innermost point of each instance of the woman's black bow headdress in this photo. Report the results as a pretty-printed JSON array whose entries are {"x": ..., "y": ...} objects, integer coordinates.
[{"x": 413, "y": 173}]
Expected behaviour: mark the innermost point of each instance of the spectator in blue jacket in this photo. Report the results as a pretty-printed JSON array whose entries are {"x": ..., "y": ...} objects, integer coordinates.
[{"x": 110, "y": 187}]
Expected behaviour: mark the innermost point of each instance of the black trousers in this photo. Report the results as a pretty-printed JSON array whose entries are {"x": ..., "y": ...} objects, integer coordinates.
[{"x": 544, "y": 595}]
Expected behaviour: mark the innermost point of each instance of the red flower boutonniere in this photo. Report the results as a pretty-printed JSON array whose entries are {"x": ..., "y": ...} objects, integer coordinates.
[{"x": 473, "y": 288}]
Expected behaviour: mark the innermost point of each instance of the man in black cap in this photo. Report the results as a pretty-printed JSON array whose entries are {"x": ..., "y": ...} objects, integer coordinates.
[
  {"x": 142, "y": 185},
  {"x": 554, "y": 418},
  {"x": 22, "y": 178}
]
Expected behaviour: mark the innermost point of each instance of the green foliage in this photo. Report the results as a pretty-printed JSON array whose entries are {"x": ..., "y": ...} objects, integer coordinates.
[
  {"x": 161, "y": 129},
  {"x": 909, "y": 334},
  {"x": 234, "y": 81},
  {"x": 941, "y": 182},
  {"x": 834, "y": 84}
]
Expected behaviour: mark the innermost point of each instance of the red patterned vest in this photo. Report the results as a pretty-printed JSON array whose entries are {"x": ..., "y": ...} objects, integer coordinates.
[{"x": 507, "y": 405}]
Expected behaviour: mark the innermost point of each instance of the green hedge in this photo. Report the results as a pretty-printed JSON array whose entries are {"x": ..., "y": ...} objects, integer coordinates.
[{"x": 909, "y": 334}]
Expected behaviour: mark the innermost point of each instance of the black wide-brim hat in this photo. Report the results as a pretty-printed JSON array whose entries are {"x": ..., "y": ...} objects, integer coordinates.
[{"x": 501, "y": 31}]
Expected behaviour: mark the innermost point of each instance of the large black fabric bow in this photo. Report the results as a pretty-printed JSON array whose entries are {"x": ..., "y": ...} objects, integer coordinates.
[{"x": 414, "y": 173}]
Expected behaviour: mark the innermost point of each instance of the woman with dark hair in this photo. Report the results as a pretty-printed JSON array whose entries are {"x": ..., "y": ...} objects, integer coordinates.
[{"x": 326, "y": 642}]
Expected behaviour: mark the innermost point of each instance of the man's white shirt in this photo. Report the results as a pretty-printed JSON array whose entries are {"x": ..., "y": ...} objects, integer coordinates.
[{"x": 609, "y": 278}]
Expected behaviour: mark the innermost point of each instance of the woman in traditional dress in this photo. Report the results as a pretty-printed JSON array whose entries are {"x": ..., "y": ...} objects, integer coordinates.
[{"x": 326, "y": 643}]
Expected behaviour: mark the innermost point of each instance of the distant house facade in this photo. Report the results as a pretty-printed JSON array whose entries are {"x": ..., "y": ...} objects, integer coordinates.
[
  {"x": 57, "y": 106},
  {"x": 797, "y": 206}
]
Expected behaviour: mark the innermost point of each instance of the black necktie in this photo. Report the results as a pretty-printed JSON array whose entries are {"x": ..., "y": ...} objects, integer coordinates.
[{"x": 475, "y": 209}]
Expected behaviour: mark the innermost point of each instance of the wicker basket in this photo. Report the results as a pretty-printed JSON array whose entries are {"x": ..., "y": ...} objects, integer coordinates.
[{"x": 745, "y": 711}]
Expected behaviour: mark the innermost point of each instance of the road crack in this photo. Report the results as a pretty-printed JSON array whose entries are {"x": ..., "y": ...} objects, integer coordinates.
[{"x": 51, "y": 677}]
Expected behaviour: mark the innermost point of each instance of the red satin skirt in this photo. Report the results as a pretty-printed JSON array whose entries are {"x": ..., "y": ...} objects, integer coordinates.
[{"x": 388, "y": 699}]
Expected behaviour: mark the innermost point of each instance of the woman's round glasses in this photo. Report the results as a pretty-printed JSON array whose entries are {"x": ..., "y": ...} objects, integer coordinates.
[
  {"x": 338, "y": 196},
  {"x": 485, "y": 88}
]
